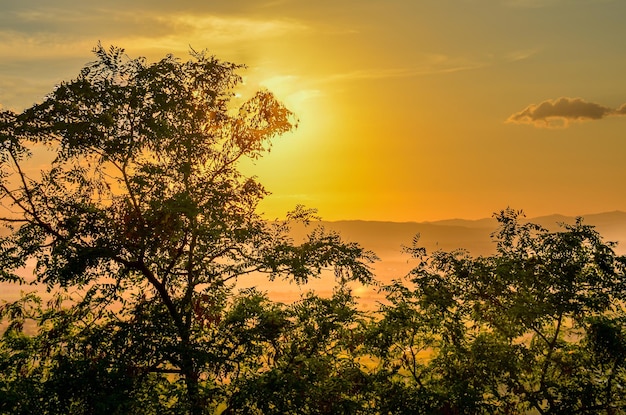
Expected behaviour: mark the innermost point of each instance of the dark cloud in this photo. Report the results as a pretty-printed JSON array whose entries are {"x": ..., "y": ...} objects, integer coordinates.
[{"x": 559, "y": 112}]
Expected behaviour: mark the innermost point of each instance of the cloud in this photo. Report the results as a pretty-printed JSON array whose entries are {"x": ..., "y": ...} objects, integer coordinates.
[
  {"x": 235, "y": 29},
  {"x": 536, "y": 4},
  {"x": 621, "y": 110},
  {"x": 560, "y": 112},
  {"x": 519, "y": 55},
  {"x": 533, "y": 4},
  {"x": 431, "y": 65},
  {"x": 42, "y": 46},
  {"x": 293, "y": 90},
  {"x": 434, "y": 64}
]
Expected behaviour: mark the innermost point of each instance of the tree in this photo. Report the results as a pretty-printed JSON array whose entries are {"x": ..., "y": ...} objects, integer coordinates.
[
  {"x": 144, "y": 213},
  {"x": 312, "y": 363},
  {"x": 539, "y": 326}
]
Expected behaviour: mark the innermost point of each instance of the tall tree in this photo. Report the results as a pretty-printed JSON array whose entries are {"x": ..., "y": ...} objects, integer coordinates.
[{"x": 144, "y": 211}]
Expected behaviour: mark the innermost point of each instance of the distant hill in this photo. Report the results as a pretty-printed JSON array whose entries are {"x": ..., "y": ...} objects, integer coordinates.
[
  {"x": 387, "y": 238},
  {"x": 472, "y": 235}
]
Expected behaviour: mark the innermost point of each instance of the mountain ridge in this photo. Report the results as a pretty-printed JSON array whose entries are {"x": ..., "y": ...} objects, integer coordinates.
[
  {"x": 473, "y": 235},
  {"x": 554, "y": 217}
]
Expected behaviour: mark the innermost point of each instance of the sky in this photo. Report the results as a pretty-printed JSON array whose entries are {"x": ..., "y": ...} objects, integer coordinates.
[{"x": 408, "y": 110}]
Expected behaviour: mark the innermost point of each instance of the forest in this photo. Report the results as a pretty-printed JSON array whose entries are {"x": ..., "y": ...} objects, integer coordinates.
[{"x": 140, "y": 223}]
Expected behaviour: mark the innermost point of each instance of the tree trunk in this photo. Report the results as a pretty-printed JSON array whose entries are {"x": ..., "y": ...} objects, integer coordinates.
[{"x": 194, "y": 400}]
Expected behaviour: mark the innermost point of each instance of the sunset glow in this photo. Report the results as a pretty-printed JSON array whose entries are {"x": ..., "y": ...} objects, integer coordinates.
[{"x": 408, "y": 111}]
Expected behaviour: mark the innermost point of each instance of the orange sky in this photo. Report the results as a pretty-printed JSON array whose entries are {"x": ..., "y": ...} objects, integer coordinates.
[{"x": 409, "y": 110}]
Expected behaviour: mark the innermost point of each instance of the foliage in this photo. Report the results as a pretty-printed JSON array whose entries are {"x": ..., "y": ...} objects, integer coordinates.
[
  {"x": 145, "y": 218},
  {"x": 142, "y": 223},
  {"x": 539, "y": 326},
  {"x": 312, "y": 367}
]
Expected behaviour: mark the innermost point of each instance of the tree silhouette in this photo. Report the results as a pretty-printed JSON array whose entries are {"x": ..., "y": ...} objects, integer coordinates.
[
  {"x": 143, "y": 216},
  {"x": 539, "y": 327},
  {"x": 141, "y": 223}
]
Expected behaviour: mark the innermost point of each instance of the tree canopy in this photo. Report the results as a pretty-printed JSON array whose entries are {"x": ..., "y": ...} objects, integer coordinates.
[
  {"x": 141, "y": 224},
  {"x": 144, "y": 212},
  {"x": 537, "y": 327}
]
